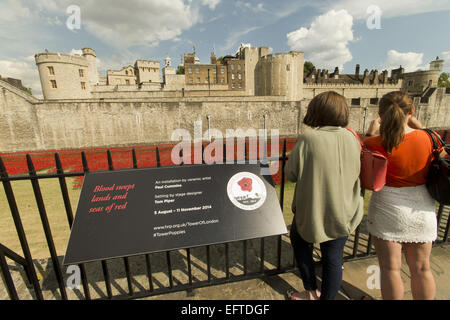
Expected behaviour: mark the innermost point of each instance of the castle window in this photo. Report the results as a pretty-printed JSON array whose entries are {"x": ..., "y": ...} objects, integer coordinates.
[
  {"x": 410, "y": 83},
  {"x": 83, "y": 85},
  {"x": 232, "y": 85},
  {"x": 198, "y": 80},
  {"x": 215, "y": 80},
  {"x": 81, "y": 72},
  {"x": 126, "y": 72},
  {"x": 51, "y": 71},
  {"x": 190, "y": 70},
  {"x": 356, "y": 102},
  {"x": 206, "y": 80},
  {"x": 197, "y": 70},
  {"x": 191, "y": 80},
  {"x": 232, "y": 76},
  {"x": 222, "y": 71},
  {"x": 214, "y": 71},
  {"x": 240, "y": 85},
  {"x": 127, "y": 82},
  {"x": 373, "y": 101},
  {"x": 222, "y": 80},
  {"x": 288, "y": 67},
  {"x": 53, "y": 82},
  {"x": 232, "y": 67},
  {"x": 239, "y": 67},
  {"x": 239, "y": 76}
]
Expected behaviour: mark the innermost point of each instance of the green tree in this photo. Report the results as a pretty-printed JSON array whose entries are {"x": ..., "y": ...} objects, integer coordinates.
[
  {"x": 27, "y": 90},
  {"x": 444, "y": 80},
  {"x": 307, "y": 67},
  {"x": 180, "y": 70}
]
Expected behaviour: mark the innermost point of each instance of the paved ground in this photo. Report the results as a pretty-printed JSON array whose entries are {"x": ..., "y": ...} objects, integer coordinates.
[
  {"x": 356, "y": 279},
  {"x": 354, "y": 284}
]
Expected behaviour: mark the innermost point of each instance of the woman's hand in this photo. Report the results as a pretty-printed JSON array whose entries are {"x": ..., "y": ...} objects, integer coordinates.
[
  {"x": 374, "y": 127},
  {"x": 414, "y": 123}
]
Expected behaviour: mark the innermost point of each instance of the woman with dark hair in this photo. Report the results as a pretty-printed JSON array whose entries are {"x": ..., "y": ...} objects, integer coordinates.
[
  {"x": 402, "y": 214},
  {"x": 327, "y": 204}
]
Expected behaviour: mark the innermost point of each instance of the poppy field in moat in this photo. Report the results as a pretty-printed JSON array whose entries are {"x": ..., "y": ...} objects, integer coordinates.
[
  {"x": 146, "y": 156},
  {"x": 71, "y": 161}
]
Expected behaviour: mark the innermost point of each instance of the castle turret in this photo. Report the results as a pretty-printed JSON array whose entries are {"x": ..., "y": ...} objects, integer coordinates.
[
  {"x": 91, "y": 58},
  {"x": 437, "y": 64},
  {"x": 167, "y": 69},
  {"x": 280, "y": 75},
  {"x": 66, "y": 76}
]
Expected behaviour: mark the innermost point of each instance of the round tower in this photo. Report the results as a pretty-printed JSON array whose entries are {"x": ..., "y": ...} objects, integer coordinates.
[
  {"x": 90, "y": 56},
  {"x": 63, "y": 76},
  {"x": 280, "y": 75}
]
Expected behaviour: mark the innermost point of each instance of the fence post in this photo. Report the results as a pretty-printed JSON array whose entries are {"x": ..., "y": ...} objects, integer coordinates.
[
  {"x": 20, "y": 231},
  {"x": 46, "y": 226}
]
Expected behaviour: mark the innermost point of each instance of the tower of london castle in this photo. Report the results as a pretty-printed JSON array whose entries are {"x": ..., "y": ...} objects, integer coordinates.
[{"x": 145, "y": 103}]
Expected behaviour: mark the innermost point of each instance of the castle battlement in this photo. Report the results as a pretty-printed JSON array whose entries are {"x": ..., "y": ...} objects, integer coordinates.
[
  {"x": 61, "y": 58},
  {"x": 353, "y": 85},
  {"x": 147, "y": 63},
  {"x": 281, "y": 56}
]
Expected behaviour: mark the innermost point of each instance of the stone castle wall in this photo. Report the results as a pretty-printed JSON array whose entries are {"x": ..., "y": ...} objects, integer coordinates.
[{"x": 29, "y": 124}]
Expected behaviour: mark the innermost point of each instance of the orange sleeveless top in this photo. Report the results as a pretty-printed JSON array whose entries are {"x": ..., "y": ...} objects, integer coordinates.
[{"x": 408, "y": 164}]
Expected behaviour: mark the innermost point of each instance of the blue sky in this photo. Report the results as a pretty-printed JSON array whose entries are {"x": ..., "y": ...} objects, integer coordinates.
[{"x": 331, "y": 33}]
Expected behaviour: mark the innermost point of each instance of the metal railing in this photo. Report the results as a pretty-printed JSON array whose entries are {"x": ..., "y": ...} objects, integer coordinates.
[{"x": 359, "y": 245}]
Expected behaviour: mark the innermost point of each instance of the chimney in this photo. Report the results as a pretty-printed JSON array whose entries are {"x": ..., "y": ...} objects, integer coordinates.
[
  {"x": 335, "y": 74},
  {"x": 366, "y": 77},
  {"x": 384, "y": 76},
  {"x": 375, "y": 77},
  {"x": 357, "y": 71}
]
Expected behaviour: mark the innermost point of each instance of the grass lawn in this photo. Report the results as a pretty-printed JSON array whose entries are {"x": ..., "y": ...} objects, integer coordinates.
[{"x": 26, "y": 204}]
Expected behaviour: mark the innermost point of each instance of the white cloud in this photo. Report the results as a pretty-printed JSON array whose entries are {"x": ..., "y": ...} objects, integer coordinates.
[
  {"x": 325, "y": 42},
  {"x": 389, "y": 8},
  {"x": 13, "y": 11},
  {"x": 236, "y": 37},
  {"x": 211, "y": 3},
  {"x": 132, "y": 22},
  {"x": 259, "y": 7},
  {"x": 446, "y": 57},
  {"x": 23, "y": 69},
  {"x": 411, "y": 61},
  {"x": 76, "y": 51}
]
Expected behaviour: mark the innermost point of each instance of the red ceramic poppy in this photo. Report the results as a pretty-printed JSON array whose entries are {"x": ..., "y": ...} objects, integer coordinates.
[{"x": 245, "y": 184}]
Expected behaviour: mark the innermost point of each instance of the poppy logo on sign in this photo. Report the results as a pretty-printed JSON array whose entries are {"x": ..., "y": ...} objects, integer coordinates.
[{"x": 246, "y": 191}]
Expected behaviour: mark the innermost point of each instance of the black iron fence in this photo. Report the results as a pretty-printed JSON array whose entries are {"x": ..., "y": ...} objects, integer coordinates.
[{"x": 358, "y": 246}]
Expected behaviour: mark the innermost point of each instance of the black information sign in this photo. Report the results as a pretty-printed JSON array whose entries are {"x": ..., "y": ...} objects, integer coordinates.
[{"x": 139, "y": 211}]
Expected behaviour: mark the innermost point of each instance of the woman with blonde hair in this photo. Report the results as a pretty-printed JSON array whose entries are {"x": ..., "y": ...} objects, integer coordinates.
[{"x": 402, "y": 215}]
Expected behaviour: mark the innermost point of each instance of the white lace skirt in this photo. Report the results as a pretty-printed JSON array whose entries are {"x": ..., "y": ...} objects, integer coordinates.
[{"x": 405, "y": 214}]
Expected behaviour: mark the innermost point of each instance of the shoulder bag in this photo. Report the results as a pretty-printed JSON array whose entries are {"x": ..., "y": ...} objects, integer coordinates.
[
  {"x": 373, "y": 167},
  {"x": 438, "y": 179}
]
